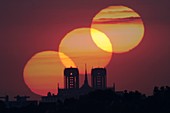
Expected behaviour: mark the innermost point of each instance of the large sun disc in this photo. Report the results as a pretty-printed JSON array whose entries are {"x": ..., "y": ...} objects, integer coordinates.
[
  {"x": 122, "y": 25},
  {"x": 79, "y": 46},
  {"x": 44, "y": 71}
]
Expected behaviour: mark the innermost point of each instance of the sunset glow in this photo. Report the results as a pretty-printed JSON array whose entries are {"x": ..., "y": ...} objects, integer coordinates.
[
  {"x": 79, "y": 46},
  {"x": 44, "y": 71},
  {"x": 116, "y": 29},
  {"x": 122, "y": 25}
]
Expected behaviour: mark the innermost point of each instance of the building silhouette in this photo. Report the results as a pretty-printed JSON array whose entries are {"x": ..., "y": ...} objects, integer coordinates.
[
  {"x": 99, "y": 78},
  {"x": 85, "y": 86},
  {"x": 71, "y": 78},
  {"x": 71, "y": 84},
  {"x": 20, "y": 101}
]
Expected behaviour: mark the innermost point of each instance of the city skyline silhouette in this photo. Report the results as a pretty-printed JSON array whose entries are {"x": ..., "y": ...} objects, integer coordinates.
[{"x": 40, "y": 39}]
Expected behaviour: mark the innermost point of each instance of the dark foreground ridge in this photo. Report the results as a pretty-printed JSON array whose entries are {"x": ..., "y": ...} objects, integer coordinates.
[{"x": 101, "y": 101}]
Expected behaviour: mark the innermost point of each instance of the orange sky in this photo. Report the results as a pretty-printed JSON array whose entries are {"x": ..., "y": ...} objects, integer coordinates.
[{"x": 30, "y": 27}]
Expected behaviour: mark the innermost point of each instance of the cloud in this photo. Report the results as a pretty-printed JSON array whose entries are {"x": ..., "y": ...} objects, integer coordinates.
[
  {"x": 117, "y": 20},
  {"x": 117, "y": 12}
]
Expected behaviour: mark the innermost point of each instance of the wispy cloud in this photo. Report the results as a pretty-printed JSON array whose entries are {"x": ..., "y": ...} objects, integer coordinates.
[
  {"x": 117, "y": 20},
  {"x": 112, "y": 12}
]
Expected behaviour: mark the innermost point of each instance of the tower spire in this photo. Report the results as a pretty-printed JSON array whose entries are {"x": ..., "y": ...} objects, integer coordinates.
[
  {"x": 86, "y": 79},
  {"x": 86, "y": 84},
  {"x": 58, "y": 87}
]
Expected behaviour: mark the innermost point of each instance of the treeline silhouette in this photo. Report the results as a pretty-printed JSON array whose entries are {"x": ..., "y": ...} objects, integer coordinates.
[{"x": 104, "y": 101}]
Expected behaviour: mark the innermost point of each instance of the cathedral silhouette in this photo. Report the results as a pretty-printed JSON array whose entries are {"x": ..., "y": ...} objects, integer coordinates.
[{"x": 71, "y": 84}]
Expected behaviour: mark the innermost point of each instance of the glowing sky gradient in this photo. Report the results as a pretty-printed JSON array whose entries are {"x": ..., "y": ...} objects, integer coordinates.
[
  {"x": 30, "y": 27},
  {"x": 44, "y": 71}
]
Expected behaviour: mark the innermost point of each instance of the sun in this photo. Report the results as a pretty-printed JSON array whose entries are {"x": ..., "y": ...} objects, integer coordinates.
[
  {"x": 115, "y": 29},
  {"x": 44, "y": 71},
  {"x": 101, "y": 40},
  {"x": 123, "y": 26},
  {"x": 79, "y": 46}
]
